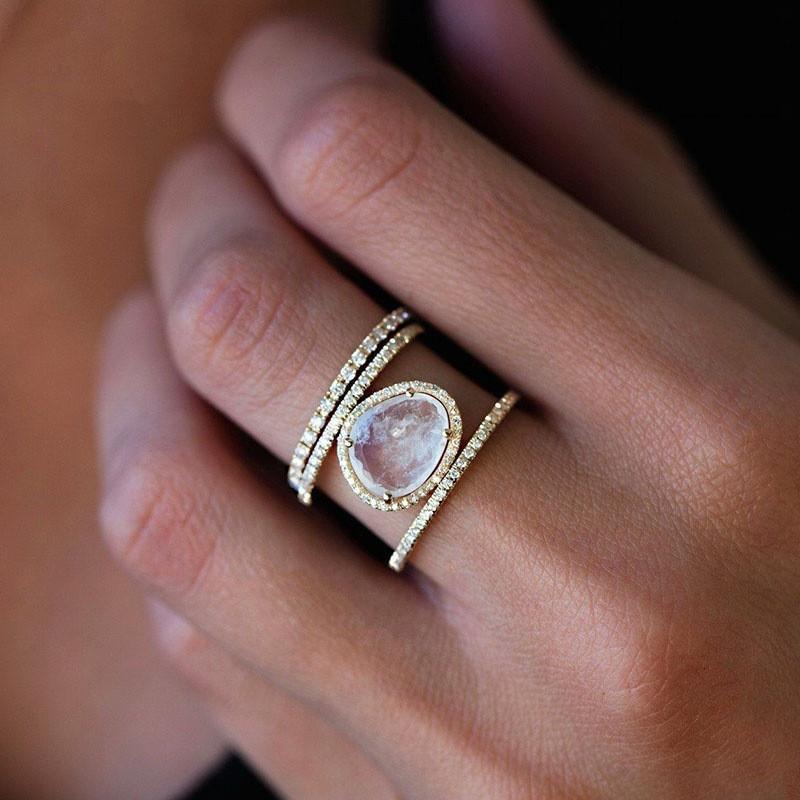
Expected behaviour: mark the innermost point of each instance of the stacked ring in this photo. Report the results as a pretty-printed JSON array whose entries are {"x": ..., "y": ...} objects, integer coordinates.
[
  {"x": 359, "y": 357},
  {"x": 397, "y": 446},
  {"x": 371, "y": 371}
]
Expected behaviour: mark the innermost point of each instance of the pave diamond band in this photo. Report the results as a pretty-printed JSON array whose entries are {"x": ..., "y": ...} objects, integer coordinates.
[
  {"x": 399, "y": 446},
  {"x": 371, "y": 371},
  {"x": 358, "y": 360},
  {"x": 317, "y": 452},
  {"x": 490, "y": 422}
]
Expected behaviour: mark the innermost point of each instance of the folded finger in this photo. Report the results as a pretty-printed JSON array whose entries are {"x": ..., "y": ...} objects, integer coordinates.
[
  {"x": 243, "y": 562},
  {"x": 549, "y": 295},
  {"x": 530, "y": 93},
  {"x": 260, "y": 325},
  {"x": 295, "y": 749}
]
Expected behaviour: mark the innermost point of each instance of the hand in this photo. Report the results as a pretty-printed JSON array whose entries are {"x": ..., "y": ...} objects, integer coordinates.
[
  {"x": 606, "y": 607},
  {"x": 94, "y": 96}
]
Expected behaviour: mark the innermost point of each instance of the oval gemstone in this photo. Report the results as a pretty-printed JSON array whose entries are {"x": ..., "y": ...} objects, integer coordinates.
[{"x": 398, "y": 443}]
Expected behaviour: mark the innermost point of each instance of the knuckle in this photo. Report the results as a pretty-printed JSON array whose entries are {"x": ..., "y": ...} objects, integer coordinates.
[
  {"x": 726, "y": 447},
  {"x": 762, "y": 499},
  {"x": 179, "y": 640},
  {"x": 154, "y": 524},
  {"x": 196, "y": 659},
  {"x": 224, "y": 310},
  {"x": 717, "y": 451},
  {"x": 740, "y": 467},
  {"x": 356, "y": 140},
  {"x": 679, "y": 685},
  {"x": 234, "y": 326},
  {"x": 657, "y": 682}
]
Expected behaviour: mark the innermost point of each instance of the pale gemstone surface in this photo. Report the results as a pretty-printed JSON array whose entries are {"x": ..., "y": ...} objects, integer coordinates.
[{"x": 398, "y": 443}]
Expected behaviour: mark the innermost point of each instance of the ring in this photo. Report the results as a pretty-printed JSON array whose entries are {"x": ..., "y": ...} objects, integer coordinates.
[
  {"x": 327, "y": 405},
  {"x": 479, "y": 438},
  {"x": 358, "y": 373},
  {"x": 397, "y": 446}
]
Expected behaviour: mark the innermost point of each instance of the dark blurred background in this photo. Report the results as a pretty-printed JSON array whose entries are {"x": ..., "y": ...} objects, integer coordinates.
[{"x": 717, "y": 74}]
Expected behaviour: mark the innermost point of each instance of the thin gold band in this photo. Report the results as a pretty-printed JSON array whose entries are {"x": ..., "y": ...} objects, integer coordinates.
[
  {"x": 490, "y": 422},
  {"x": 372, "y": 369},
  {"x": 349, "y": 371}
]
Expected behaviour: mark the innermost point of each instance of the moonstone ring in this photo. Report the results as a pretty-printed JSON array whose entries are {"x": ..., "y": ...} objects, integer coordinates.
[{"x": 399, "y": 445}]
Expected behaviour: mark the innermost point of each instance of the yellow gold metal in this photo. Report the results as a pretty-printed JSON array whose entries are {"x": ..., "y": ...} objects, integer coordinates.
[
  {"x": 490, "y": 422},
  {"x": 308, "y": 478},
  {"x": 349, "y": 372}
]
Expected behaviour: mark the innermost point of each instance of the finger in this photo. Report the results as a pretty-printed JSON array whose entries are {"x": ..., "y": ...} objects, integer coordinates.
[
  {"x": 259, "y": 324},
  {"x": 599, "y": 329},
  {"x": 532, "y": 96},
  {"x": 291, "y": 746},
  {"x": 243, "y": 562}
]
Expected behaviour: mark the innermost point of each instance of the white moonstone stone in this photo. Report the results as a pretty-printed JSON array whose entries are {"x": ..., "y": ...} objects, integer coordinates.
[{"x": 398, "y": 443}]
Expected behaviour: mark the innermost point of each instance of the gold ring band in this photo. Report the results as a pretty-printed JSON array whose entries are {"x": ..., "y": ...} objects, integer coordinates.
[
  {"x": 359, "y": 357},
  {"x": 325, "y": 440},
  {"x": 447, "y": 484}
]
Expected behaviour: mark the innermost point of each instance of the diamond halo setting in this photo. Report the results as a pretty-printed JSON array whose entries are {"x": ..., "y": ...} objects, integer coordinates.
[{"x": 396, "y": 446}]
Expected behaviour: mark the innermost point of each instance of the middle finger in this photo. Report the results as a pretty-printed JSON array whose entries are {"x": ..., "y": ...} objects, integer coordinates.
[
  {"x": 563, "y": 305},
  {"x": 259, "y": 324}
]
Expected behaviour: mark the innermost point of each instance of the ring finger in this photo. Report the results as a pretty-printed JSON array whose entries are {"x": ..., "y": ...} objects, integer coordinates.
[{"x": 259, "y": 324}]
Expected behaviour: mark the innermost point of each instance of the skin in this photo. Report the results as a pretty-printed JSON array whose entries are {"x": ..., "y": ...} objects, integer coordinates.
[
  {"x": 88, "y": 708},
  {"x": 75, "y": 647},
  {"x": 607, "y": 605}
]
